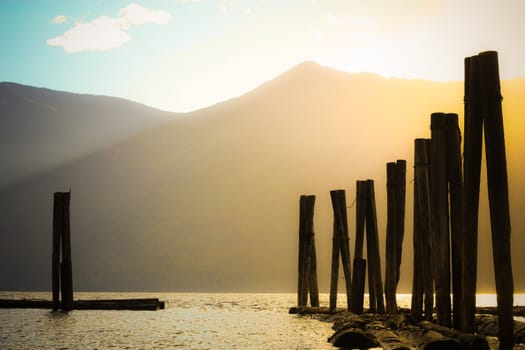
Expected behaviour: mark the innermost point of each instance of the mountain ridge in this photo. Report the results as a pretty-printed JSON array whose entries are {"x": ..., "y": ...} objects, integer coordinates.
[{"x": 209, "y": 201}]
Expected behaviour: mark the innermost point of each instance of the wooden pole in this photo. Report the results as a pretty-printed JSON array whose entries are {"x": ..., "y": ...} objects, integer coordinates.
[
  {"x": 334, "y": 275},
  {"x": 55, "y": 255},
  {"x": 341, "y": 226},
  {"x": 359, "y": 266},
  {"x": 307, "y": 263},
  {"x": 455, "y": 181},
  {"x": 440, "y": 220},
  {"x": 314, "y": 288},
  {"x": 471, "y": 169},
  {"x": 401, "y": 169},
  {"x": 498, "y": 193},
  {"x": 374, "y": 261},
  {"x": 66, "y": 266},
  {"x": 391, "y": 239}
]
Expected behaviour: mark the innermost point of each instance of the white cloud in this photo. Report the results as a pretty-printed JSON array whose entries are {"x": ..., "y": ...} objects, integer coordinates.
[
  {"x": 224, "y": 8},
  {"x": 136, "y": 14},
  {"x": 59, "y": 19},
  {"x": 247, "y": 11},
  {"x": 106, "y": 33},
  {"x": 101, "y": 34}
]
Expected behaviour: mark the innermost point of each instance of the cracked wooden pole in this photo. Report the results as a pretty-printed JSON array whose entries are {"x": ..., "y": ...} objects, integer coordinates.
[
  {"x": 473, "y": 134},
  {"x": 66, "y": 270},
  {"x": 375, "y": 286},
  {"x": 307, "y": 264},
  {"x": 359, "y": 265},
  {"x": 455, "y": 181},
  {"x": 423, "y": 286},
  {"x": 498, "y": 193},
  {"x": 440, "y": 219},
  {"x": 341, "y": 234},
  {"x": 391, "y": 238},
  {"x": 55, "y": 255}
]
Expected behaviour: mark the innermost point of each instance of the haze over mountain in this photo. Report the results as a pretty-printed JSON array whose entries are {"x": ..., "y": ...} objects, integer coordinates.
[
  {"x": 209, "y": 200},
  {"x": 42, "y": 128}
]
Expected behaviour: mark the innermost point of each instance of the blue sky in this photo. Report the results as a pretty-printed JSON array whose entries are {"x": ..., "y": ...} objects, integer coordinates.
[{"x": 182, "y": 55}]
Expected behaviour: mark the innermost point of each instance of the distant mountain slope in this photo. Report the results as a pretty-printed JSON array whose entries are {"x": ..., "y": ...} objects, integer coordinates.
[
  {"x": 209, "y": 202},
  {"x": 42, "y": 128}
]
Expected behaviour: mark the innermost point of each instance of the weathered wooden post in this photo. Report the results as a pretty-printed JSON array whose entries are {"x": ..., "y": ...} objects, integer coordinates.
[
  {"x": 473, "y": 124},
  {"x": 375, "y": 286},
  {"x": 307, "y": 256},
  {"x": 455, "y": 182},
  {"x": 440, "y": 219},
  {"x": 340, "y": 234},
  {"x": 62, "y": 237},
  {"x": 401, "y": 169},
  {"x": 498, "y": 193},
  {"x": 422, "y": 277},
  {"x": 391, "y": 239},
  {"x": 55, "y": 255},
  {"x": 359, "y": 266}
]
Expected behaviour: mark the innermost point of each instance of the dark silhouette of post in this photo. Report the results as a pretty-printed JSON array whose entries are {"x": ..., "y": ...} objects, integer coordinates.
[
  {"x": 440, "y": 219},
  {"x": 498, "y": 193},
  {"x": 341, "y": 236},
  {"x": 455, "y": 183},
  {"x": 401, "y": 169},
  {"x": 62, "y": 272},
  {"x": 359, "y": 265},
  {"x": 473, "y": 124},
  {"x": 391, "y": 238},
  {"x": 375, "y": 286},
  {"x": 422, "y": 286},
  {"x": 55, "y": 255},
  {"x": 307, "y": 281}
]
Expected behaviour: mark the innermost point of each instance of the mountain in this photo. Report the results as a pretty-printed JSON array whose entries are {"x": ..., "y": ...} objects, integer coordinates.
[
  {"x": 209, "y": 200},
  {"x": 43, "y": 128}
]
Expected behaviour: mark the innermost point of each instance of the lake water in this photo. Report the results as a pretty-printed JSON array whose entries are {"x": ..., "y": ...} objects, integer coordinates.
[{"x": 190, "y": 321}]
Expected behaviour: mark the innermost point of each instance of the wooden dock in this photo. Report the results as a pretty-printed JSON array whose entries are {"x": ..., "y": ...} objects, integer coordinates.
[{"x": 146, "y": 304}]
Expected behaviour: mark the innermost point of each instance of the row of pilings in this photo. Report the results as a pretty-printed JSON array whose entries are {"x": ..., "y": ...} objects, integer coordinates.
[{"x": 445, "y": 227}]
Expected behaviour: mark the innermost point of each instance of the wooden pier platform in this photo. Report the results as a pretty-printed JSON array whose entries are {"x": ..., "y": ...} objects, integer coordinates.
[{"x": 146, "y": 304}]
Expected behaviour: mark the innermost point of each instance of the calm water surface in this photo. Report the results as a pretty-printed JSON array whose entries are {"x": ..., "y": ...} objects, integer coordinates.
[{"x": 190, "y": 321}]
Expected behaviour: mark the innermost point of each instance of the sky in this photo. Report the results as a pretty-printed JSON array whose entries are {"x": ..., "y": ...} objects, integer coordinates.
[{"x": 183, "y": 55}]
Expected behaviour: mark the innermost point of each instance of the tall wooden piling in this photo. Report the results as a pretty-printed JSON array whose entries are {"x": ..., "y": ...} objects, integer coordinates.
[
  {"x": 66, "y": 272},
  {"x": 401, "y": 169},
  {"x": 341, "y": 235},
  {"x": 307, "y": 269},
  {"x": 440, "y": 219},
  {"x": 473, "y": 134},
  {"x": 391, "y": 239},
  {"x": 498, "y": 193},
  {"x": 375, "y": 286},
  {"x": 359, "y": 265},
  {"x": 55, "y": 255},
  {"x": 455, "y": 182}
]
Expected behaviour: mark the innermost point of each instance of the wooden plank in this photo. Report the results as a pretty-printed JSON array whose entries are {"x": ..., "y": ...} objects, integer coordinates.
[{"x": 498, "y": 193}]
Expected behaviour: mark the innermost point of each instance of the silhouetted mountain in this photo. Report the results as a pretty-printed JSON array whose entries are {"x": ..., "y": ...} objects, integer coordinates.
[
  {"x": 209, "y": 201},
  {"x": 42, "y": 128}
]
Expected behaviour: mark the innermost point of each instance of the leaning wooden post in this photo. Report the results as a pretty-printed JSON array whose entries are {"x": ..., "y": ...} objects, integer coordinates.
[
  {"x": 391, "y": 239},
  {"x": 455, "y": 181},
  {"x": 55, "y": 255},
  {"x": 473, "y": 124},
  {"x": 440, "y": 221},
  {"x": 374, "y": 261},
  {"x": 359, "y": 265},
  {"x": 498, "y": 193},
  {"x": 341, "y": 226},
  {"x": 334, "y": 275},
  {"x": 66, "y": 266}
]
